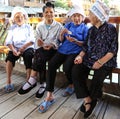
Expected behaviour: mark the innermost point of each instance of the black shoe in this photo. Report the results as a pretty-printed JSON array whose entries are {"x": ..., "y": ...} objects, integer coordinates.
[
  {"x": 82, "y": 108},
  {"x": 22, "y": 92},
  {"x": 92, "y": 106},
  {"x": 39, "y": 95}
]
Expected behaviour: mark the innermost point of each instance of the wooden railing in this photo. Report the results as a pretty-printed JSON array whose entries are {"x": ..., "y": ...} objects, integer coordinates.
[
  {"x": 3, "y": 35},
  {"x": 33, "y": 21}
]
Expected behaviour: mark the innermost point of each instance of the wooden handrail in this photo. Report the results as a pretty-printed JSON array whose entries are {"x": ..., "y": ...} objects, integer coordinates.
[
  {"x": 115, "y": 20},
  {"x": 112, "y": 19}
]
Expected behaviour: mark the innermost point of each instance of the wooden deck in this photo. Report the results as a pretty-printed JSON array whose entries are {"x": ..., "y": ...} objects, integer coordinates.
[{"x": 13, "y": 106}]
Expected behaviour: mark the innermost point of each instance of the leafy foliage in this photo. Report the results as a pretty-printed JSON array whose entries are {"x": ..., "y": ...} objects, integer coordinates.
[{"x": 62, "y": 4}]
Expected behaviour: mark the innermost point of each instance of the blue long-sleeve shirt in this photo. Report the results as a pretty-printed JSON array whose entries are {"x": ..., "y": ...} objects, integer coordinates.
[{"x": 79, "y": 32}]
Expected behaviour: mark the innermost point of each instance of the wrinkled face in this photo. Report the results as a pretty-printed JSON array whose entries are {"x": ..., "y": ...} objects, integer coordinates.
[
  {"x": 93, "y": 19},
  {"x": 77, "y": 18},
  {"x": 48, "y": 13},
  {"x": 19, "y": 18}
]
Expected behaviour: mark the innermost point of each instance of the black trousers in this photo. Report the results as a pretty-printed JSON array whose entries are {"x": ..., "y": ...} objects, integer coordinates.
[
  {"x": 41, "y": 56},
  {"x": 27, "y": 57},
  {"x": 54, "y": 64},
  {"x": 80, "y": 73}
]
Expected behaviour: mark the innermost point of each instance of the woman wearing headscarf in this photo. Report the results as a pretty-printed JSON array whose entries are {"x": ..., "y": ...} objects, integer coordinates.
[
  {"x": 20, "y": 40},
  {"x": 71, "y": 39},
  {"x": 99, "y": 54}
]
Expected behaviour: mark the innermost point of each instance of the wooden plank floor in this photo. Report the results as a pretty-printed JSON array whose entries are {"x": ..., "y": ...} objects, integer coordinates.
[{"x": 13, "y": 106}]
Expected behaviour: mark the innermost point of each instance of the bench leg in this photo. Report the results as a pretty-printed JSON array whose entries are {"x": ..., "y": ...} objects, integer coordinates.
[
  {"x": 110, "y": 77},
  {"x": 119, "y": 79}
]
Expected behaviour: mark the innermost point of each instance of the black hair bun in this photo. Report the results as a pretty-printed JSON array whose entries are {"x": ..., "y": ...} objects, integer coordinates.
[{"x": 49, "y": 4}]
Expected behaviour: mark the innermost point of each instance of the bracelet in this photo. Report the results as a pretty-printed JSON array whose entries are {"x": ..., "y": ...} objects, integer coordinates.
[{"x": 100, "y": 62}]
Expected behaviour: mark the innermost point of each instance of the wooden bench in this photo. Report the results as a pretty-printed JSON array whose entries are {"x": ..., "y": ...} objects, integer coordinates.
[
  {"x": 110, "y": 87},
  {"x": 116, "y": 21}
]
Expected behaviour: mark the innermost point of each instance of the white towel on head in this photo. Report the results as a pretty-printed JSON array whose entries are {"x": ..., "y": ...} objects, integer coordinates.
[
  {"x": 76, "y": 9},
  {"x": 19, "y": 9}
]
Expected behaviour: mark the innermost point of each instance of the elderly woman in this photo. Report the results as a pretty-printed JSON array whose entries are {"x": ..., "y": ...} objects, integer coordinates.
[
  {"x": 72, "y": 38},
  {"x": 47, "y": 34},
  {"x": 20, "y": 40},
  {"x": 99, "y": 54}
]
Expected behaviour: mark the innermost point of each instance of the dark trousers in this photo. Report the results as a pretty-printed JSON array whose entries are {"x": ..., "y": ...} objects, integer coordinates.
[
  {"x": 41, "y": 56},
  {"x": 54, "y": 64},
  {"x": 27, "y": 57},
  {"x": 80, "y": 73}
]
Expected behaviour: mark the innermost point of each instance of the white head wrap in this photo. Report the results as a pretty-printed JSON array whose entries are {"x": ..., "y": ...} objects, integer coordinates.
[
  {"x": 100, "y": 10},
  {"x": 19, "y": 9},
  {"x": 76, "y": 9}
]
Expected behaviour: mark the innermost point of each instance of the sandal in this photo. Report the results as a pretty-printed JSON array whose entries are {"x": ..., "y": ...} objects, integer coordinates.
[
  {"x": 9, "y": 88},
  {"x": 46, "y": 105},
  {"x": 92, "y": 104},
  {"x": 68, "y": 91}
]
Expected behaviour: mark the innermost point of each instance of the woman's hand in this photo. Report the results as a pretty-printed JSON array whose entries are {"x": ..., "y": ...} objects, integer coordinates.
[
  {"x": 97, "y": 65},
  {"x": 78, "y": 60},
  {"x": 40, "y": 42},
  {"x": 22, "y": 49},
  {"x": 18, "y": 53},
  {"x": 71, "y": 39},
  {"x": 61, "y": 36},
  {"x": 64, "y": 31},
  {"x": 15, "y": 52},
  {"x": 47, "y": 47}
]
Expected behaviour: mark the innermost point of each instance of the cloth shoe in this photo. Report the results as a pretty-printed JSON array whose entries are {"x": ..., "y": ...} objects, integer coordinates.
[
  {"x": 22, "y": 92},
  {"x": 40, "y": 92},
  {"x": 92, "y": 106}
]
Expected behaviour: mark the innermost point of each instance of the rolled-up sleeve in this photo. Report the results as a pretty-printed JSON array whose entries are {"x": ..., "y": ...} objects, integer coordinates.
[{"x": 113, "y": 36}]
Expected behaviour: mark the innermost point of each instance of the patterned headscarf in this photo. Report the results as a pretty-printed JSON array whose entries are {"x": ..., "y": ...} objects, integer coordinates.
[{"x": 100, "y": 10}]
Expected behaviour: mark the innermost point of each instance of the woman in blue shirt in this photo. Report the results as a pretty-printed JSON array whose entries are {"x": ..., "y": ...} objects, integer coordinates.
[{"x": 71, "y": 40}]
